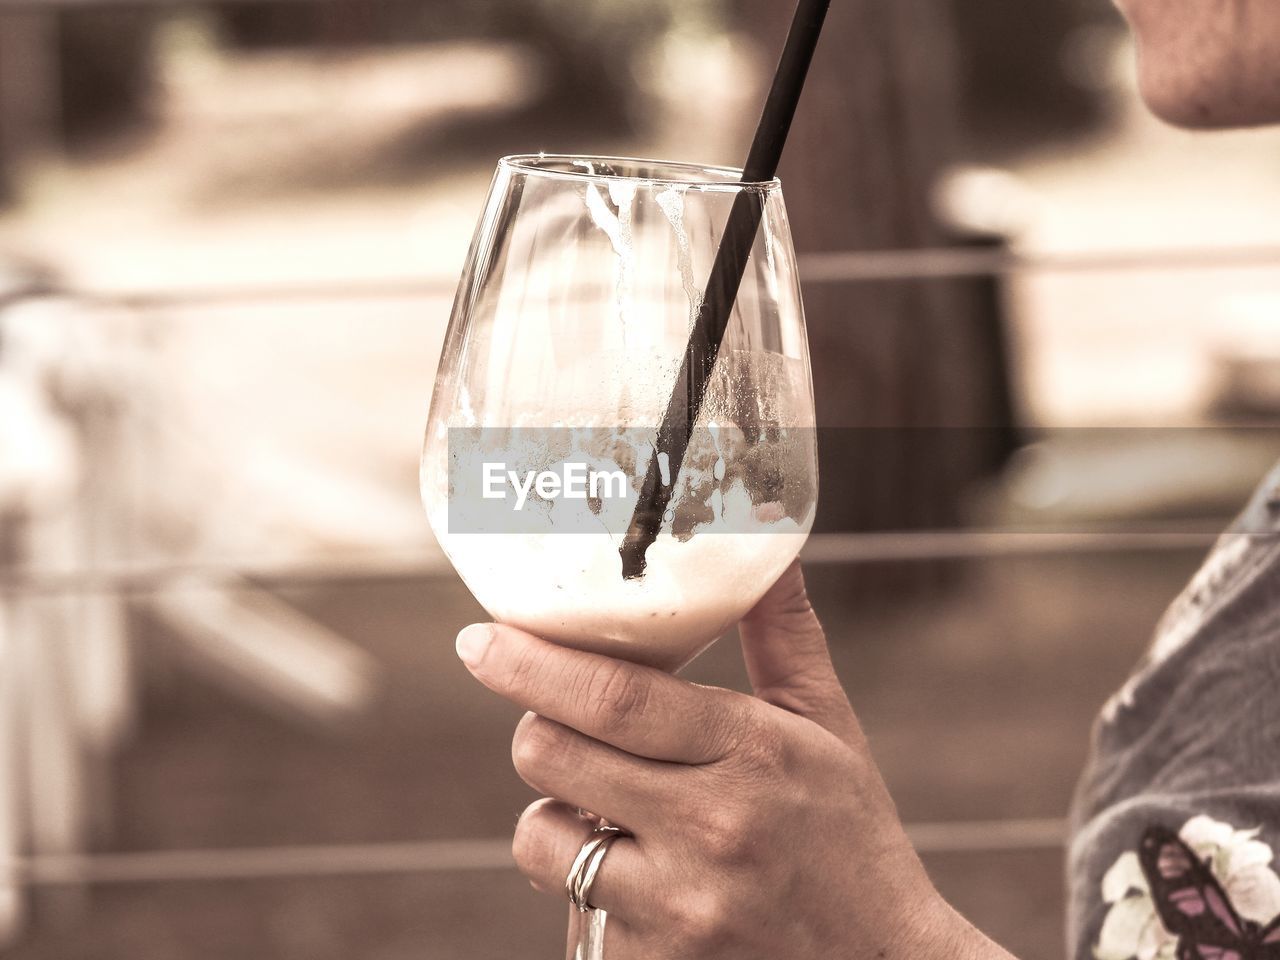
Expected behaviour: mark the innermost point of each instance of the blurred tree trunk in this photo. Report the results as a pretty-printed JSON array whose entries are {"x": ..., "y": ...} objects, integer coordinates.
[
  {"x": 266, "y": 24},
  {"x": 897, "y": 364},
  {"x": 1017, "y": 83},
  {"x": 106, "y": 70},
  {"x": 28, "y": 90},
  {"x": 68, "y": 76}
]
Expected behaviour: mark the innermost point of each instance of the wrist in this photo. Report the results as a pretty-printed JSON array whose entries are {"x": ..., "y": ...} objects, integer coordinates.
[{"x": 941, "y": 933}]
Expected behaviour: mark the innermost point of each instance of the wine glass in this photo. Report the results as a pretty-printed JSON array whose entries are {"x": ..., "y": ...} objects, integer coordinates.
[{"x": 572, "y": 318}]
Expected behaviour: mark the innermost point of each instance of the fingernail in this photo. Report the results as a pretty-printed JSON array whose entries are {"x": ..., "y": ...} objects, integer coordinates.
[{"x": 472, "y": 642}]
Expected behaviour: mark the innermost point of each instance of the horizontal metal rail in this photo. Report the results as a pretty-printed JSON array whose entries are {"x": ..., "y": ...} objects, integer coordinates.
[
  {"x": 821, "y": 550},
  {"x": 433, "y": 856},
  {"x": 850, "y": 266},
  {"x": 941, "y": 263},
  {"x": 863, "y": 548}
]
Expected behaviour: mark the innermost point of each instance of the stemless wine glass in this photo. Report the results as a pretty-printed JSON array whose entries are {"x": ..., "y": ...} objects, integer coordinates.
[{"x": 571, "y": 321}]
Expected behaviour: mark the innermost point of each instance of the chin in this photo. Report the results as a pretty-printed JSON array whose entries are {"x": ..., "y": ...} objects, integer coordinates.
[
  {"x": 1193, "y": 106},
  {"x": 1203, "y": 68},
  {"x": 1206, "y": 106}
]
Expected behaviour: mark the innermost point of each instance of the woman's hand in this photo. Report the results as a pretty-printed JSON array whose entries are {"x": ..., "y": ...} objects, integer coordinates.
[{"x": 760, "y": 827}]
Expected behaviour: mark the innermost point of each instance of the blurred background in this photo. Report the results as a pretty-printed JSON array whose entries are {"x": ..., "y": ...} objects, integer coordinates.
[{"x": 232, "y": 723}]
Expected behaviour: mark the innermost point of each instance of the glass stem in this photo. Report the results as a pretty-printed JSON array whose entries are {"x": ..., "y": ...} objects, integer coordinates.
[
  {"x": 586, "y": 935},
  {"x": 586, "y": 930}
]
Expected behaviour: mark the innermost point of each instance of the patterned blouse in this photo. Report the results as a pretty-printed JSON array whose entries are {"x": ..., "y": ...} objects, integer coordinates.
[{"x": 1176, "y": 821}]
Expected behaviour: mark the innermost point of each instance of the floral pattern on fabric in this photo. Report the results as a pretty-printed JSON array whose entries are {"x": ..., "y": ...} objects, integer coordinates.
[{"x": 1240, "y": 863}]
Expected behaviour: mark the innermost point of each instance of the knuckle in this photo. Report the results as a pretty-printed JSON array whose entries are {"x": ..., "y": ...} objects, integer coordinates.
[
  {"x": 536, "y": 743},
  {"x": 726, "y": 831},
  {"x": 619, "y": 698},
  {"x": 532, "y": 845},
  {"x": 726, "y": 721},
  {"x": 526, "y": 670},
  {"x": 705, "y": 922}
]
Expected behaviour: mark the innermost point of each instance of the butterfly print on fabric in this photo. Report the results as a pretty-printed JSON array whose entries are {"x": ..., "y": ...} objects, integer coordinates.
[{"x": 1193, "y": 906}]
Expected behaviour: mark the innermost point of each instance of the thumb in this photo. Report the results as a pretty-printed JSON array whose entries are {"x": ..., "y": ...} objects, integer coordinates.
[{"x": 788, "y": 661}]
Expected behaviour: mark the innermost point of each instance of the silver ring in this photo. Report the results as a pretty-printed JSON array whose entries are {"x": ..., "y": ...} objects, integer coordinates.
[{"x": 586, "y": 865}]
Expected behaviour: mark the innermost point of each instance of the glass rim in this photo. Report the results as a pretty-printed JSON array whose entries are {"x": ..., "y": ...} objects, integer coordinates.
[{"x": 698, "y": 176}]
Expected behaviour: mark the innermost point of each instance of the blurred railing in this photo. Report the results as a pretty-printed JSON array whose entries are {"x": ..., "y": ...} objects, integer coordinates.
[
  {"x": 851, "y": 266},
  {"x": 439, "y": 856},
  {"x": 120, "y": 579},
  {"x": 824, "y": 268},
  {"x": 822, "y": 549}
]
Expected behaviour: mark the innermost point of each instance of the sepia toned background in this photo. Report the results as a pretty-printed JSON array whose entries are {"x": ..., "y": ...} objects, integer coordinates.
[{"x": 231, "y": 720}]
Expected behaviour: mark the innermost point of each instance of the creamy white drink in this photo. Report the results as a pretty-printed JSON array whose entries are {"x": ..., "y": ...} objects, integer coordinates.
[
  {"x": 569, "y": 587},
  {"x": 549, "y": 563}
]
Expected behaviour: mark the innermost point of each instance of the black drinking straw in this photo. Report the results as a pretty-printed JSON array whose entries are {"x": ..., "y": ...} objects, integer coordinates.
[{"x": 722, "y": 287}]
